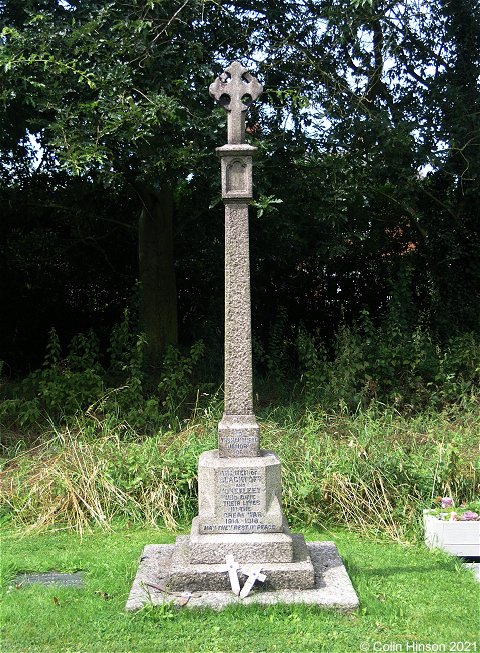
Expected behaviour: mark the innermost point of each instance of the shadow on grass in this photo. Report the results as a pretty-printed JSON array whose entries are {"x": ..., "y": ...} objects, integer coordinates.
[{"x": 394, "y": 571}]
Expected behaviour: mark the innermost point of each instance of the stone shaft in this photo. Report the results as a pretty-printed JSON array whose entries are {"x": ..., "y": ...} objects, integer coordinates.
[
  {"x": 236, "y": 127},
  {"x": 238, "y": 432},
  {"x": 238, "y": 347}
]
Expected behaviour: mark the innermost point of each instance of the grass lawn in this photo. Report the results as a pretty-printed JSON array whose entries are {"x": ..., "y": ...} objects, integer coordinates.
[{"x": 409, "y": 597}]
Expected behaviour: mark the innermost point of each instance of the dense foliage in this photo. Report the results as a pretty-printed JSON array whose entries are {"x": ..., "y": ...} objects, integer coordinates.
[
  {"x": 365, "y": 231},
  {"x": 374, "y": 471}
]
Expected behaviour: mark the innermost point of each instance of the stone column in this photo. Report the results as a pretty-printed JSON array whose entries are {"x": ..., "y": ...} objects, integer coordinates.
[
  {"x": 238, "y": 348},
  {"x": 239, "y": 484},
  {"x": 240, "y": 534},
  {"x": 238, "y": 431}
]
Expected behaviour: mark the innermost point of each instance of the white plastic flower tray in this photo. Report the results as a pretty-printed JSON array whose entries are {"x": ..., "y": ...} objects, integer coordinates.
[{"x": 461, "y": 538}]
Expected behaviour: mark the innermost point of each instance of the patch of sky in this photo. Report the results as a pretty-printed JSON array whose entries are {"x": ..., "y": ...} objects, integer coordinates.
[
  {"x": 36, "y": 150},
  {"x": 66, "y": 5}
]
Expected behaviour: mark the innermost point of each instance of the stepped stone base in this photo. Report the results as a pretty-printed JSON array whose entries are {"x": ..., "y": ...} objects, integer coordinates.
[
  {"x": 184, "y": 576},
  {"x": 245, "y": 547},
  {"x": 331, "y": 588}
]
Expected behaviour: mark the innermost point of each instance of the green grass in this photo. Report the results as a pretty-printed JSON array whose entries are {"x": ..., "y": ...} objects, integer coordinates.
[{"x": 407, "y": 594}]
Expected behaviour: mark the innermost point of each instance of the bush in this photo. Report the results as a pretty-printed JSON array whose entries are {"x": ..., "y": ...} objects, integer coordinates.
[
  {"x": 69, "y": 384},
  {"x": 375, "y": 471},
  {"x": 386, "y": 364},
  {"x": 392, "y": 420}
]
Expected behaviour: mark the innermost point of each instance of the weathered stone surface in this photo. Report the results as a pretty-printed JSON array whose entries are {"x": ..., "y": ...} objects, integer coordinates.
[
  {"x": 231, "y": 89},
  {"x": 238, "y": 436},
  {"x": 50, "y": 578},
  {"x": 239, "y": 484},
  {"x": 332, "y": 587},
  {"x": 182, "y": 575},
  {"x": 238, "y": 431},
  {"x": 239, "y": 495},
  {"x": 252, "y": 547},
  {"x": 236, "y": 171}
]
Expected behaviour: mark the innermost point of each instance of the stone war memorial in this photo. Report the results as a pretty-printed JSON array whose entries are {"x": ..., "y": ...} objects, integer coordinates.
[{"x": 240, "y": 548}]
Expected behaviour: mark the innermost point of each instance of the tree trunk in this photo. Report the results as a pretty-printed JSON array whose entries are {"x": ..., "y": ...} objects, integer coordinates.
[{"x": 158, "y": 290}]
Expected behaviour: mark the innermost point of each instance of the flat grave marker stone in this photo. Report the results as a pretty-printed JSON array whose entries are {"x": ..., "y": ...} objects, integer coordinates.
[{"x": 75, "y": 579}]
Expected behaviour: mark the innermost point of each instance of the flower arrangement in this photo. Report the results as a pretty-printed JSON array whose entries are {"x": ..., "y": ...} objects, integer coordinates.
[
  {"x": 455, "y": 529},
  {"x": 447, "y": 511}
]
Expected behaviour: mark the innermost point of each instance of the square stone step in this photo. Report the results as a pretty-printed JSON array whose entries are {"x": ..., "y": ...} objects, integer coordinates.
[
  {"x": 332, "y": 588},
  {"x": 184, "y": 576},
  {"x": 245, "y": 547}
]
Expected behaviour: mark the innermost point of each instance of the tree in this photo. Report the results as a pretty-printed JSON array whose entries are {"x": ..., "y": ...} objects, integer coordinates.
[
  {"x": 361, "y": 133},
  {"x": 393, "y": 128},
  {"x": 119, "y": 98}
]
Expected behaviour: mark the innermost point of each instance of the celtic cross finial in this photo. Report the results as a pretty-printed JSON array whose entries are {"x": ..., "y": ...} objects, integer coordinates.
[{"x": 235, "y": 89}]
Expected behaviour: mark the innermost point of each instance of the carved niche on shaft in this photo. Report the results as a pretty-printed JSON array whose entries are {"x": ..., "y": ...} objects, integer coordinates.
[
  {"x": 237, "y": 176},
  {"x": 236, "y": 165}
]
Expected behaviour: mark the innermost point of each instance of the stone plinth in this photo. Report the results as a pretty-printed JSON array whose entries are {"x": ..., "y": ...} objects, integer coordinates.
[
  {"x": 240, "y": 514},
  {"x": 239, "y": 495},
  {"x": 182, "y": 575},
  {"x": 251, "y": 547},
  {"x": 332, "y": 587}
]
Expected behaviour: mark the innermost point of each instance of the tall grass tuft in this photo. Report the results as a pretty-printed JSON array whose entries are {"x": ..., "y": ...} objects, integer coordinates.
[
  {"x": 99, "y": 471},
  {"x": 373, "y": 471}
]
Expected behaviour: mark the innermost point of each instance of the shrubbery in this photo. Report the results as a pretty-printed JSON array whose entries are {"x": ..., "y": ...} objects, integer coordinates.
[
  {"x": 373, "y": 471},
  {"x": 383, "y": 425},
  {"x": 115, "y": 385},
  {"x": 367, "y": 364},
  {"x": 403, "y": 368}
]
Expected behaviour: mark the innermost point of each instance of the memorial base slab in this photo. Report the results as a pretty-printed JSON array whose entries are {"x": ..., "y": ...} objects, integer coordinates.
[
  {"x": 185, "y": 576},
  {"x": 331, "y": 587},
  {"x": 245, "y": 547}
]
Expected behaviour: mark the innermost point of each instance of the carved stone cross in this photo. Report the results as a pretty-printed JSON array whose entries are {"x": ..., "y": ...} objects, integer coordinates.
[
  {"x": 238, "y": 432},
  {"x": 235, "y": 89}
]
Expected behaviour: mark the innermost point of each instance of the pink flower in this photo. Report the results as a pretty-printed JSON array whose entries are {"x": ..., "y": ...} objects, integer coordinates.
[
  {"x": 453, "y": 516},
  {"x": 447, "y": 502},
  {"x": 469, "y": 515}
]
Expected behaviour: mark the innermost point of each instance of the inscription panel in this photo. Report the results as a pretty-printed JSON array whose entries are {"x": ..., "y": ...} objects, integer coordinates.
[
  {"x": 240, "y": 502},
  {"x": 239, "y": 497},
  {"x": 236, "y": 172},
  {"x": 238, "y": 436},
  {"x": 238, "y": 446},
  {"x": 50, "y": 578},
  {"x": 236, "y": 176}
]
